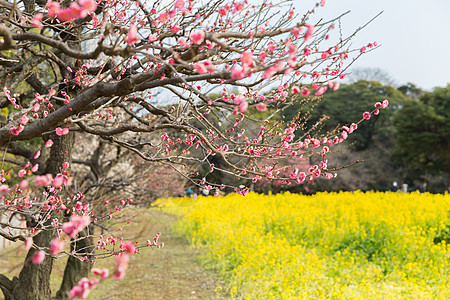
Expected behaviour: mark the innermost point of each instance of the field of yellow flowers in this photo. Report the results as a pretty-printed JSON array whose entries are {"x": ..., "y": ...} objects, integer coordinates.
[{"x": 326, "y": 246}]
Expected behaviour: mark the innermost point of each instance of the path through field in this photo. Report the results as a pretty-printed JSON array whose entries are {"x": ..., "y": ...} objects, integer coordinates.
[{"x": 172, "y": 272}]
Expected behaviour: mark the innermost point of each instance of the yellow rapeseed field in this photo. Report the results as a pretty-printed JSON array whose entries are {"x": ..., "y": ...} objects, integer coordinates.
[{"x": 326, "y": 246}]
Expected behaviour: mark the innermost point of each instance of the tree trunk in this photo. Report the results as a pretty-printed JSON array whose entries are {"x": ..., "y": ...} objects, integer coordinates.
[
  {"x": 34, "y": 279},
  {"x": 76, "y": 269}
]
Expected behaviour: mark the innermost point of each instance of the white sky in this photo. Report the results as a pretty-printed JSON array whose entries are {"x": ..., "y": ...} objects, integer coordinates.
[{"x": 414, "y": 34}]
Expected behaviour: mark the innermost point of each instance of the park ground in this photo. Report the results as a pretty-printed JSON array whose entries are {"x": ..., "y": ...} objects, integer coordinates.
[{"x": 172, "y": 272}]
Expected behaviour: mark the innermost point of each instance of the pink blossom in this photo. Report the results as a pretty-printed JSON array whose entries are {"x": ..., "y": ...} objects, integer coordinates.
[
  {"x": 128, "y": 247},
  {"x": 37, "y": 154},
  {"x": 363, "y": 49},
  {"x": 75, "y": 225},
  {"x": 321, "y": 90},
  {"x": 179, "y": 4},
  {"x": 273, "y": 70},
  {"x": 55, "y": 246},
  {"x": 38, "y": 257},
  {"x": 88, "y": 5},
  {"x": 36, "y": 21},
  {"x": 263, "y": 56},
  {"x": 336, "y": 86},
  {"x": 28, "y": 243},
  {"x": 24, "y": 120},
  {"x": 76, "y": 291},
  {"x": 175, "y": 28},
  {"x": 295, "y": 89},
  {"x": 104, "y": 273},
  {"x": 122, "y": 261},
  {"x": 152, "y": 38},
  {"x": 243, "y": 106},
  {"x": 204, "y": 67},
  {"x": 239, "y": 99},
  {"x": 237, "y": 72},
  {"x": 49, "y": 143},
  {"x": 23, "y": 184},
  {"x": 182, "y": 42},
  {"x": 197, "y": 37},
  {"x": 385, "y": 103},
  {"x": 4, "y": 188},
  {"x": 238, "y": 7},
  {"x": 35, "y": 107},
  {"x": 301, "y": 177},
  {"x": 322, "y": 3},
  {"x": 35, "y": 168},
  {"x": 70, "y": 13},
  {"x": 296, "y": 31},
  {"x": 261, "y": 106},
  {"x": 305, "y": 91},
  {"x": 22, "y": 173},
  {"x": 163, "y": 18},
  {"x": 61, "y": 131},
  {"x": 309, "y": 32},
  {"x": 83, "y": 288},
  {"x": 17, "y": 130},
  {"x": 366, "y": 115},
  {"x": 53, "y": 8},
  {"x": 209, "y": 66},
  {"x": 44, "y": 180},
  {"x": 223, "y": 11},
  {"x": 247, "y": 58},
  {"x": 200, "y": 68},
  {"x": 132, "y": 36},
  {"x": 58, "y": 181}
]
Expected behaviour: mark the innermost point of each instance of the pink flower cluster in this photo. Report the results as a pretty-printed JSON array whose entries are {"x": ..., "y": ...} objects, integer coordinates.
[
  {"x": 83, "y": 288},
  {"x": 74, "y": 11},
  {"x": 55, "y": 246},
  {"x": 204, "y": 67},
  {"x": 122, "y": 260},
  {"x": 38, "y": 257},
  {"x": 75, "y": 225}
]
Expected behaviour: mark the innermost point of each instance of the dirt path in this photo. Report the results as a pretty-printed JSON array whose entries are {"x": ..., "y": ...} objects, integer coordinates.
[{"x": 170, "y": 273}]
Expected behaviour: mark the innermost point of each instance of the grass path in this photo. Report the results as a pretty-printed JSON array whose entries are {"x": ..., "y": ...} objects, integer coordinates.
[{"x": 172, "y": 272}]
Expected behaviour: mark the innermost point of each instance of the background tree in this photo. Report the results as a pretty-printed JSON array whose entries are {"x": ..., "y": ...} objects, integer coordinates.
[
  {"x": 138, "y": 76},
  {"x": 371, "y": 74},
  {"x": 422, "y": 133}
]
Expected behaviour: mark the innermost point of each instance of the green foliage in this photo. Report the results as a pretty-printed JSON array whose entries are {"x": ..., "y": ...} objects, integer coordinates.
[{"x": 423, "y": 131}]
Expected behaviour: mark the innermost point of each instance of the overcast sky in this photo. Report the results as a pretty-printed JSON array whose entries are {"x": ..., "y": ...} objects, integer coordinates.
[{"x": 414, "y": 34}]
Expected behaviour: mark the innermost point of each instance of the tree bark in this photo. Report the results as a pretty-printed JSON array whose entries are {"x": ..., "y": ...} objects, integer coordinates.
[
  {"x": 34, "y": 279},
  {"x": 76, "y": 269}
]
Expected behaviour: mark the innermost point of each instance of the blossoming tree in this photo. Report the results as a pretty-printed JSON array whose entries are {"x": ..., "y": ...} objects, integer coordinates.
[{"x": 130, "y": 71}]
